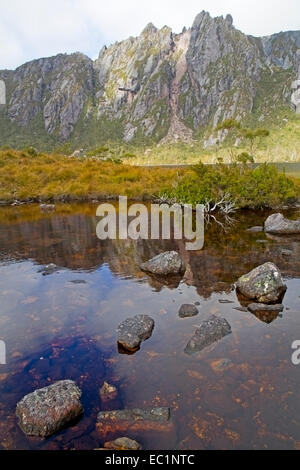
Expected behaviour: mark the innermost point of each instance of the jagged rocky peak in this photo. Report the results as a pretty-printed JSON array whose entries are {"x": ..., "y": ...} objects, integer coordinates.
[
  {"x": 149, "y": 29},
  {"x": 102, "y": 52},
  {"x": 229, "y": 20},
  {"x": 159, "y": 86}
]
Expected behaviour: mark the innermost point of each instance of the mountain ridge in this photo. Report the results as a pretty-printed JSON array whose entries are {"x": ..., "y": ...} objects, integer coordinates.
[{"x": 158, "y": 87}]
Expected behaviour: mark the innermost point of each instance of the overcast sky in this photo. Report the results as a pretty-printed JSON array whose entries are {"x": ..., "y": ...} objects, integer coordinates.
[{"x": 30, "y": 29}]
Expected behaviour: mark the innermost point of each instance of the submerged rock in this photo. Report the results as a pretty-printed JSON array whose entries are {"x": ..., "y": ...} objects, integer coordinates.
[
  {"x": 266, "y": 313},
  {"x": 221, "y": 365},
  {"x": 209, "y": 332},
  {"x": 168, "y": 263},
  {"x": 253, "y": 308},
  {"x": 132, "y": 331},
  {"x": 241, "y": 309},
  {"x": 278, "y": 224},
  {"x": 160, "y": 414},
  {"x": 188, "y": 310},
  {"x": 263, "y": 284},
  {"x": 108, "y": 392},
  {"x": 49, "y": 409},
  {"x": 132, "y": 420},
  {"x": 123, "y": 443}
]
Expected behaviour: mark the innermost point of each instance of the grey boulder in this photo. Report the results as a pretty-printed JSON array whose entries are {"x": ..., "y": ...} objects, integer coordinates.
[
  {"x": 278, "y": 224},
  {"x": 168, "y": 263},
  {"x": 132, "y": 331},
  {"x": 209, "y": 332},
  {"x": 188, "y": 310},
  {"x": 49, "y": 409},
  {"x": 263, "y": 284}
]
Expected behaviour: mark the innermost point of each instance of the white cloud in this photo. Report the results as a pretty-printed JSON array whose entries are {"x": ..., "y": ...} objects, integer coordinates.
[{"x": 36, "y": 28}]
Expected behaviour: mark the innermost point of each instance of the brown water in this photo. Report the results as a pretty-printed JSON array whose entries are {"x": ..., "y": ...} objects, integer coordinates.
[{"x": 55, "y": 328}]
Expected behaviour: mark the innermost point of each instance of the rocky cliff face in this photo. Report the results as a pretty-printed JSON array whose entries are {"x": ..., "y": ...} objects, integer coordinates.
[{"x": 159, "y": 86}]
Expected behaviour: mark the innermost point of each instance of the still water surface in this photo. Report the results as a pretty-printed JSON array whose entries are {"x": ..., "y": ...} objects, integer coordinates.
[{"x": 63, "y": 325}]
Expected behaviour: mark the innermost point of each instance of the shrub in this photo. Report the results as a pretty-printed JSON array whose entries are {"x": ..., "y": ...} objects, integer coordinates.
[
  {"x": 31, "y": 151},
  {"x": 261, "y": 187}
]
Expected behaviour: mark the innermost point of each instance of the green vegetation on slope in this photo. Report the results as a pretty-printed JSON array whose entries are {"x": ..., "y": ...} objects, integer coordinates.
[
  {"x": 29, "y": 176},
  {"x": 45, "y": 177}
]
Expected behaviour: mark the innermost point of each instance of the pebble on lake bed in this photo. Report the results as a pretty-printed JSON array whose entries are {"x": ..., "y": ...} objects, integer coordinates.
[
  {"x": 133, "y": 420},
  {"x": 123, "y": 443},
  {"x": 108, "y": 392},
  {"x": 47, "y": 410}
]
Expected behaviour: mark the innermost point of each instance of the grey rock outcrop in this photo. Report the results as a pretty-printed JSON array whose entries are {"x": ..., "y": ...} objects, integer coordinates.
[
  {"x": 159, "y": 86},
  {"x": 278, "y": 224},
  {"x": 2, "y": 92},
  {"x": 263, "y": 284},
  {"x": 54, "y": 90},
  {"x": 295, "y": 98},
  {"x": 47, "y": 410}
]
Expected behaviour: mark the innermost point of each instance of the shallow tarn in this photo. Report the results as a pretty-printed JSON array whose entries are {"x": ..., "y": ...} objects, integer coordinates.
[{"x": 242, "y": 392}]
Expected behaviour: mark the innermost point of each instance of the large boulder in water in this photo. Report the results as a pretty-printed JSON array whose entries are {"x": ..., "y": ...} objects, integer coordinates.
[
  {"x": 278, "y": 224},
  {"x": 49, "y": 409},
  {"x": 168, "y": 263},
  {"x": 264, "y": 284}
]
